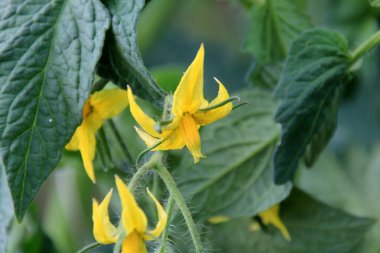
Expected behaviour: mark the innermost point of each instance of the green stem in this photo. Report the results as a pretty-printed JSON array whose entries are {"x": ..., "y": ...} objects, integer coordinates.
[
  {"x": 165, "y": 233},
  {"x": 144, "y": 169},
  {"x": 119, "y": 243},
  {"x": 120, "y": 141},
  {"x": 104, "y": 143},
  {"x": 365, "y": 47},
  {"x": 144, "y": 152},
  {"x": 178, "y": 198},
  {"x": 89, "y": 247},
  {"x": 99, "y": 85},
  {"x": 229, "y": 100}
]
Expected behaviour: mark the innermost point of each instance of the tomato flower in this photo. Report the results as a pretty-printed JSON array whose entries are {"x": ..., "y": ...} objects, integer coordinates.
[
  {"x": 133, "y": 221},
  {"x": 189, "y": 111},
  {"x": 272, "y": 216},
  {"x": 100, "y": 106}
]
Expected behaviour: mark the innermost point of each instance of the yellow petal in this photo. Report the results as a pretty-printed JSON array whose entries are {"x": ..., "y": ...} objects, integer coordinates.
[
  {"x": 188, "y": 96},
  {"x": 144, "y": 120},
  {"x": 190, "y": 134},
  {"x": 148, "y": 140},
  {"x": 271, "y": 216},
  {"x": 87, "y": 142},
  {"x": 162, "y": 218},
  {"x": 109, "y": 103},
  {"x": 133, "y": 217},
  {"x": 173, "y": 140},
  {"x": 213, "y": 115},
  {"x": 134, "y": 243},
  {"x": 74, "y": 142},
  {"x": 104, "y": 231}
]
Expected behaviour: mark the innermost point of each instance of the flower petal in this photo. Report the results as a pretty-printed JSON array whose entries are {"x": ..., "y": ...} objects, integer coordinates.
[
  {"x": 162, "y": 218},
  {"x": 74, "y": 143},
  {"x": 87, "y": 142},
  {"x": 144, "y": 120},
  {"x": 133, "y": 217},
  {"x": 188, "y": 97},
  {"x": 213, "y": 115},
  {"x": 148, "y": 140},
  {"x": 271, "y": 216},
  {"x": 109, "y": 103},
  {"x": 134, "y": 243},
  {"x": 104, "y": 231},
  {"x": 173, "y": 140},
  {"x": 190, "y": 134}
]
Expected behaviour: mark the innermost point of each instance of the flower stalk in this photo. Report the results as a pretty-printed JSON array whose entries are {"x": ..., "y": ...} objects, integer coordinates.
[{"x": 366, "y": 46}]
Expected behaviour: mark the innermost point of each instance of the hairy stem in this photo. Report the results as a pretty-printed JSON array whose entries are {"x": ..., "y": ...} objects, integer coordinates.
[
  {"x": 165, "y": 233},
  {"x": 179, "y": 200},
  {"x": 142, "y": 170}
]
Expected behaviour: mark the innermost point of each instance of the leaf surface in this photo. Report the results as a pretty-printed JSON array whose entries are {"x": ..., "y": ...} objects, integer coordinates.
[
  {"x": 47, "y": 63},
  {"x": 309, "y": 93}
]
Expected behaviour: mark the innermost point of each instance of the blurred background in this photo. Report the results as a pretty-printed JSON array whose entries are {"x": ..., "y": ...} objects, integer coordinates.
[{"x": 170, "y": 33}]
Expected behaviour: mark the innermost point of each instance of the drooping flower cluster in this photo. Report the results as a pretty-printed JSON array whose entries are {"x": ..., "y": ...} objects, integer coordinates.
[{"x": 134, "y": 226}]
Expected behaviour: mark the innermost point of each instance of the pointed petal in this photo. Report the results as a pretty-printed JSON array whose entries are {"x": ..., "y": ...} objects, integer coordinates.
[
  {"x": 133, "y": 217},
  {"x": 188, "y": 96},
  {"x": 134, "y": 243},
  {"x": 74, "y": 143},
  {"x": 87, "y": 142},
  {"x": 104, "y": 231},
  {"x": 109, "y": 103},
  {"x": 162, "y": 217},
  {"x": 190, "y": 134},
  {"x": 213, "y": 115},
  {"x": 271, "y": 216},
  {"x": 148, "y": 140},
  {"x": 144, "y": 120}
]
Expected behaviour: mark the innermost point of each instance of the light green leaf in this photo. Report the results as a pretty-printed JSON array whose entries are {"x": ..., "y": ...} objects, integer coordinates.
[
  {"x": 236, "y": 178},
  {"x": 351, "y": 185},
  {"x": 46, "y": 71},
  {"x": 274, "y": 25},
  {"x": 122, "y": 61},
  {"x": 6, "y": 211},
  {"x": 314, "y": 228},
  {"x": 309, "y": 93}
]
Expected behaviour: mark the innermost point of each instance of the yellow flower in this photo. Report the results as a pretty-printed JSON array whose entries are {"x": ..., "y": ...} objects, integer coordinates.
[
  {"x": 100, "y": 106},
  {"x": 189, "y": 111},
  {"x": 272, "y": 216},
  {"x": 133, "y": 221}
]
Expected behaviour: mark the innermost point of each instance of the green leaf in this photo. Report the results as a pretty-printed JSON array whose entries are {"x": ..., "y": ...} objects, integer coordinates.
[
  {"x": 314, "y": 228},
  {"x": 46, "y": 71},
  {"x": 266, "y": 76},
  {"x": 309, "y": 93},
  {"x": 6, "y": 211},
  {"x": 236, "y": 179},
  {"x": 351, "y": 185},
  {"x": 274, "y": 25},
  {"x": 121, "y": 61}
]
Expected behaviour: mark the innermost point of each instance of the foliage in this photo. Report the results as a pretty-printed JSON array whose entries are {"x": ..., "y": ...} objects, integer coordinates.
[{"x": 294, "y": 125}]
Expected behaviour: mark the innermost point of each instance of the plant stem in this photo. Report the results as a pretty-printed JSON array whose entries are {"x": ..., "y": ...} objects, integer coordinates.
[
  {"x": 99, "y": 85},
  {"x": 89, "y": 247},
  {"x": 365, "y": 47},
  {"x": 119, "y": 140},
  {"x": 104, "y": 143},
  {"x": 142, "y": 170},
  {"x": 178, "y": 198},
  {"x": 165, "y": 233}
]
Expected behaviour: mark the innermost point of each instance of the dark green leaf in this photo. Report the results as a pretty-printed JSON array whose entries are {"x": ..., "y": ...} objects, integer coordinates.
[
  {"x": 6, "y": 210},
  {"x": 266, "y": 76},
  {"x": 121, "y": 61},
  {"x": 47, "y": 65},
  {"x": 236, "y": 179},
  {"x": 309, "y": 93},
  {"x": 313, "y": 226},
  {"x": 274, "y": 25}
]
